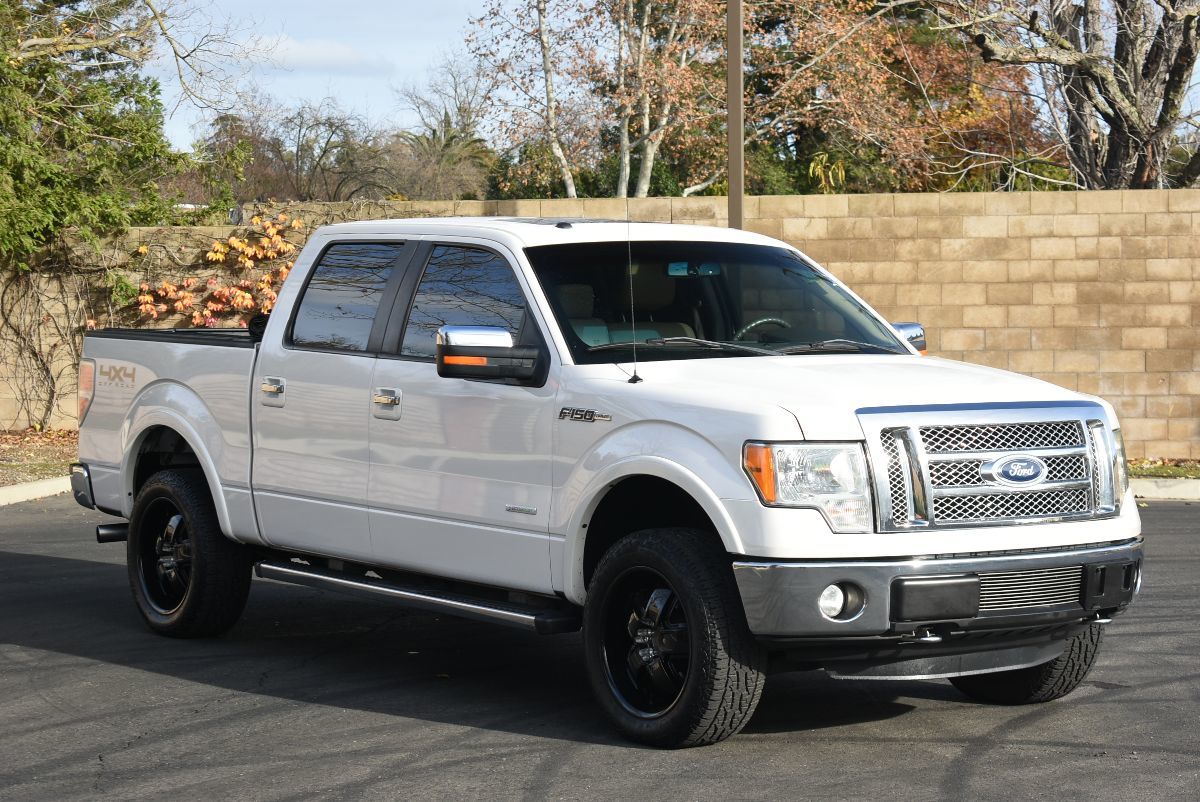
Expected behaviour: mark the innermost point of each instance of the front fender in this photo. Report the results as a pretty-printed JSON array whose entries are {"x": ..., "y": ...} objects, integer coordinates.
[{"x": 645, "y": 449}]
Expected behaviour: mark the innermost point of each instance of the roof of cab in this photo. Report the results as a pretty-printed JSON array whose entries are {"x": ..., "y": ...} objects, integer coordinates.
[{"x": 535, "y": 231}]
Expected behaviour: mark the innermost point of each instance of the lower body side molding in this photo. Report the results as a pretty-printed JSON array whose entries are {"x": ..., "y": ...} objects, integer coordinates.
[{"x": 545, "y": 621}]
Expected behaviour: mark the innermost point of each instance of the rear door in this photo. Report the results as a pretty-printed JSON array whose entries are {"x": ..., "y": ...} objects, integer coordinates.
[
  {"x": 311, "y": 402},
  {"x": 460, "y": 470}
]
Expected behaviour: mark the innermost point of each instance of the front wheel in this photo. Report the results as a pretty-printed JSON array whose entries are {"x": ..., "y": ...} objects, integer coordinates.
[
  {"x": 187, "y": 578},
  {"x": 669, "y": 655},
  {"x": 1041, "y": 683}
]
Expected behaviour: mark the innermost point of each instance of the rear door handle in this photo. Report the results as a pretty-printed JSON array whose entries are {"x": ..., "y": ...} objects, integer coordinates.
[
  {"x": 272, "y": 386},
  {"x": 386, "y": 400}
]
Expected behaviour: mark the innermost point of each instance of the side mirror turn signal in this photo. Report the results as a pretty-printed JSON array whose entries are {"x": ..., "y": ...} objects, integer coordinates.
[{"x": 483, "y": 352}]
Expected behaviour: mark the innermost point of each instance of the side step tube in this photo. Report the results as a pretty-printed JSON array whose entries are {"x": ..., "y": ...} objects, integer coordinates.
[
  {"x": 540, "y": 620},
  {"x": 112, "y": 533}
]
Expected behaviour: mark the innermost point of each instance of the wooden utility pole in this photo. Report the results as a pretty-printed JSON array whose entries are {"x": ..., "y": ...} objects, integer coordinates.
[{"x": 736, "y": 118}]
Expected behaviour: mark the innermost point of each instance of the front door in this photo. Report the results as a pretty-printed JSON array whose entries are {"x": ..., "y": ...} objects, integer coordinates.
[
  {"x": 460, "y": 470},
  {"x": 311, "y": 402}
]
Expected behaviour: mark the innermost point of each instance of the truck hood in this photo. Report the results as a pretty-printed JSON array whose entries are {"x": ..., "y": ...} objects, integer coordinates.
[{"x": 824, "y": 391}]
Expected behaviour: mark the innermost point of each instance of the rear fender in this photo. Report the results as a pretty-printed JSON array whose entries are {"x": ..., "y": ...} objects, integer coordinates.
[{"x": 162, "y": 404}]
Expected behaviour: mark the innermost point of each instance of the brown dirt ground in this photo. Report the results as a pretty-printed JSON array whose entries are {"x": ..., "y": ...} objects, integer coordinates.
[{"x": 29, "y": 455}]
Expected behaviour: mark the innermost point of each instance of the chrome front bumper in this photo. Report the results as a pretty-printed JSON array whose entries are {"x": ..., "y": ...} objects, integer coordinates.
[{"x": 905, "y": 597}]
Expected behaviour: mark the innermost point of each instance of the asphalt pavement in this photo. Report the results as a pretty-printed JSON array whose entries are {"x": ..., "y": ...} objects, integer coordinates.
[{"x": 315, "y": 695}]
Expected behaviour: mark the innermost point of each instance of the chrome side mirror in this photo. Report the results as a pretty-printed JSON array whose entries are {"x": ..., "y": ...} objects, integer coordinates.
[
  {"x": 914, "y": 333},
  {"x": 483, "y": 352}
]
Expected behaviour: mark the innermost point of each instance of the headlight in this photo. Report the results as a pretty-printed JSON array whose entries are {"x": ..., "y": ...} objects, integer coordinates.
[
  {"x": 830, "y": 477},
  {"x": 1120, "y": 467}
]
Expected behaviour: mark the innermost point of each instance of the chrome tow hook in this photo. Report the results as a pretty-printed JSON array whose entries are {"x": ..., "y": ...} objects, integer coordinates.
[{"x": 923, "y": 635}]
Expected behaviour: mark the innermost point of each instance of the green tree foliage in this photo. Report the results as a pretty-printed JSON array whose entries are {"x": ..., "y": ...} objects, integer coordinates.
[{"x": 81, "y": 130}]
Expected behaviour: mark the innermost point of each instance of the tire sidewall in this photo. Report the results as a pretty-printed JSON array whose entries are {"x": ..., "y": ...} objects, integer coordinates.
[
  {"x": 673, "y": 725},
  {"x": 163, "y": 486}
]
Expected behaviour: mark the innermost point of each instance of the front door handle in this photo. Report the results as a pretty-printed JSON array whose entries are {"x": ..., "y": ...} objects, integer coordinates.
[
  {"x": 385, "y": 403},
  {"x": 271, "y": 388}
]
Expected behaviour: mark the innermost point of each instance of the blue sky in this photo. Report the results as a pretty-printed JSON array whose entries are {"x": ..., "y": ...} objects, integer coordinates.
[{"x": 355, "y": 51}]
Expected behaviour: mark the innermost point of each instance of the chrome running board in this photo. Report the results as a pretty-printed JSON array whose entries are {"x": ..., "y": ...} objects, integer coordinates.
[{"x": 545, "y": 621}]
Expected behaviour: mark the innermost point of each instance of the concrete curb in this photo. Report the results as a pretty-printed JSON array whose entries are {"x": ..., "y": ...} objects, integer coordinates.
[
  {"x": 28, "y": 491},
  {"x": 1167, "y": 489}
]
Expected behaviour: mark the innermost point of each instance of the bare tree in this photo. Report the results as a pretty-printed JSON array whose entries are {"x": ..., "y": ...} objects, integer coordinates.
[
  {"x": 531, "y": 46},
  {"x": 205, "y": 54},
  {"x": 457, "y": 88},
  {"x": 327, "y": 153},
  {"x": 1117, "y": 76}
]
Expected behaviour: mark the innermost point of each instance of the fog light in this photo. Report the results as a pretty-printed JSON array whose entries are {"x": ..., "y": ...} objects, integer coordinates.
[{"x": 832, "y": 601}]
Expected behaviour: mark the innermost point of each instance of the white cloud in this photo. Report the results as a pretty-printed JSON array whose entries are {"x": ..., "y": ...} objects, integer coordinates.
[{"x": 319, "y": 55}]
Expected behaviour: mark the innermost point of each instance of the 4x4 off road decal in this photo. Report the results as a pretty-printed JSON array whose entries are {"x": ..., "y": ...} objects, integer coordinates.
[
  {"x": 583, "y": 415},
  {"x": 117, "y": 376}
]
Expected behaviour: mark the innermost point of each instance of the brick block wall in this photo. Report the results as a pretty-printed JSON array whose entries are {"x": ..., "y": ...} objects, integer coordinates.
[{"x": 1094, "y": 291}]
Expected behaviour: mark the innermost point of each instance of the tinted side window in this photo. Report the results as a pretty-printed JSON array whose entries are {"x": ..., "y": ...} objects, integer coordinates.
[
  {"x": 340, "y": 301},
  {"x": 462, "y": 287}
]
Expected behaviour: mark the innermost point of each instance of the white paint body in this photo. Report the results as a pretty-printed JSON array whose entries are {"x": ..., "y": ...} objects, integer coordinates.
[{"x": 427, "y": 488}]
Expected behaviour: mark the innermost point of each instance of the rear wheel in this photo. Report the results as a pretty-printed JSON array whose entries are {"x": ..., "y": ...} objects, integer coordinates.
[
  {"x": 1040, "y": 683},
  {"x": 187, "y": 578},
  {"x": 669, "y": 655}
]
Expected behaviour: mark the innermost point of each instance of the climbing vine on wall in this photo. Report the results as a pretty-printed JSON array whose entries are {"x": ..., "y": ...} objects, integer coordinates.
[{"x": 259, "y": 260}]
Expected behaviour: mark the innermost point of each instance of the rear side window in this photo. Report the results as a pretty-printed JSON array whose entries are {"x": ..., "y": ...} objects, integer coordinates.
[
  {"x": 462, "y": 287},
  {"x": 339, "y": 304}
]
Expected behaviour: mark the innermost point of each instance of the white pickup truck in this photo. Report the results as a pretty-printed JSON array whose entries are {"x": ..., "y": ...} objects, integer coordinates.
[{"x": 693, "y": 443}]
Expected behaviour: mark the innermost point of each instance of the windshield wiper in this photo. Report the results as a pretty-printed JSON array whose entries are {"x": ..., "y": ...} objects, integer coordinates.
[
  {"x": 836, "y": 344},
  {"x": 696, "y": 341}
]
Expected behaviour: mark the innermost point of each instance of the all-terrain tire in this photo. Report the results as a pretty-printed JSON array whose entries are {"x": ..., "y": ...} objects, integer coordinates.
[
  {"x": 1040, "y": 683},
  {"x": 207, "y": 598},
  {"x": 724, "y": 674}
]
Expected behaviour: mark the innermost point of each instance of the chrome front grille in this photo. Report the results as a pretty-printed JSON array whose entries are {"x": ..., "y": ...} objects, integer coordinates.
[
  {"x": 944, "y": 469},
  {"x": 1011, "y": 506},
  {"x": 1001, "y": 437},
  {"x": 1042, "y": 587},
  {"x": 965, "y": 473}
]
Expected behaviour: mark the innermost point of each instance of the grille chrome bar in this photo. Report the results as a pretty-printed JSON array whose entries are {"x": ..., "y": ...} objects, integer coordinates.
[
  {"x": 1045, "y": 587},
  {"x": 932, "y": 465},
  {"x": 975, "y": 490},
  {"x": 955, "y": 456}
]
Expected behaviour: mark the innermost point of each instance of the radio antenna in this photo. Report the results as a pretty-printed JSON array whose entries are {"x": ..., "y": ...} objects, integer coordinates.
[{"x": 635, "y": 378}]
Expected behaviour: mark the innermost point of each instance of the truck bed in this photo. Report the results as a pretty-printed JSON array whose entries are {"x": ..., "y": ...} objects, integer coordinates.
[{"x": 187, "y": 380}]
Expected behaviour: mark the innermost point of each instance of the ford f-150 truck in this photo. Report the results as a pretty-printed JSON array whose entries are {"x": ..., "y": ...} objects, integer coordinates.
[{"x": 694, "y": 444}]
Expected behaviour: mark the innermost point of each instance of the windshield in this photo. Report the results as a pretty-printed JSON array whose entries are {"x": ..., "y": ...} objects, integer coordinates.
[{"x": 690, "y": 300}]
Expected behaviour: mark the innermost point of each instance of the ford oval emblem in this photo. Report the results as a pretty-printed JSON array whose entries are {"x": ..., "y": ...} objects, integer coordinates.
[{"x": 1018, "y": 470}]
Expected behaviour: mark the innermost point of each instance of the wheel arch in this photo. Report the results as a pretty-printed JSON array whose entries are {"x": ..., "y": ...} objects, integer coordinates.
[
  {"x": 690, "y": 503},
  {"x": 155, "y": 415}
]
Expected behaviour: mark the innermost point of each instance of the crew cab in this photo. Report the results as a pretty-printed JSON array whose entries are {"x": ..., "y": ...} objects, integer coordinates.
[{"x": 694, "y": 444}]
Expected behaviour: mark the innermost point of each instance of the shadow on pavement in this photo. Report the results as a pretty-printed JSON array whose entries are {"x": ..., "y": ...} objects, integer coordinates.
[{"x": 307, "y": 646}]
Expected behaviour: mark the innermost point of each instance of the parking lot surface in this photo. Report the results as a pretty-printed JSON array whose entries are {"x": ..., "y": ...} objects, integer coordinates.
[{"x": 319, "y": 695}]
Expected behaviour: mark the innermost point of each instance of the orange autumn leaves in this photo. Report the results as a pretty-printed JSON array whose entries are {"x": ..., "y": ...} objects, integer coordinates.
[{"x": 211, "y": 302}]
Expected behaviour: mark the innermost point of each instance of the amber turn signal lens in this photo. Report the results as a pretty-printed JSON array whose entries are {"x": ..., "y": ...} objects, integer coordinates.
[
  {"x": 759, "y": 462},
  {"x": 464, "y": 360}
]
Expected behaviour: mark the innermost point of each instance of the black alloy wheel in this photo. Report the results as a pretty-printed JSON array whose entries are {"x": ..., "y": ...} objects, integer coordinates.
[
  {"x": 646, "y": 643},
  {"x": 165, "y": 556},
  {"x": 188, "y": 579},
  {"x": 669, "y": 655}
]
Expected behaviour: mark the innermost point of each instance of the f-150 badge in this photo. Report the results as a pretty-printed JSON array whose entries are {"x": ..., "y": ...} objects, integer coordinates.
[{"x": 583, "y": 415}]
